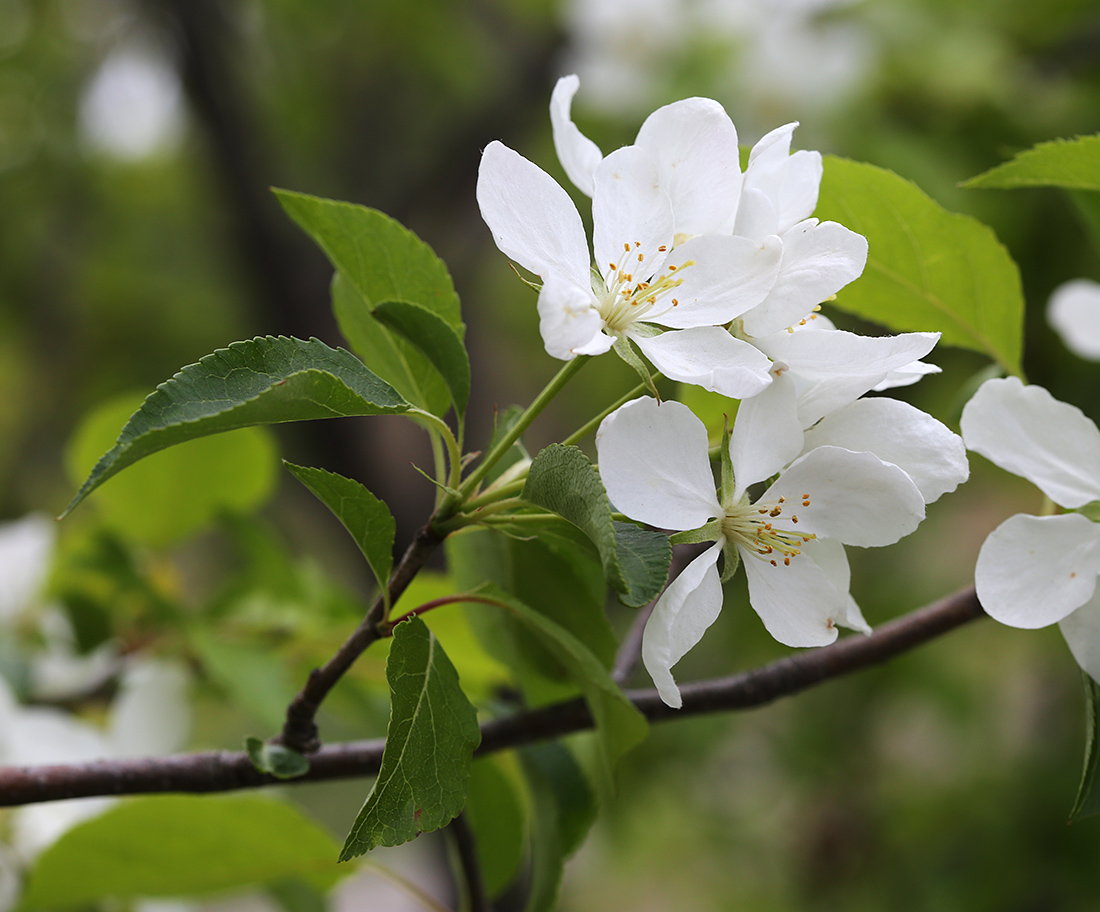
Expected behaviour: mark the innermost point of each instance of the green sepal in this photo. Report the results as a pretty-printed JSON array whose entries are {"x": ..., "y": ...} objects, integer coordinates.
[
  {"x": 710, "y": 532},
  {"x": 1087, "y": 803},
  {"x": 725, "y": 494},
  {"x": 624, "y": 348},
  {"x": 275, "y": 759},
  {"x": 1090, "y": 511},
  {"x": 731, "y": 560}
]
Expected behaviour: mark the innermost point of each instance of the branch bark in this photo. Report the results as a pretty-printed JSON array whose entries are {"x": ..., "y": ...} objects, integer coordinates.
[{"x": 226, "y": 771}]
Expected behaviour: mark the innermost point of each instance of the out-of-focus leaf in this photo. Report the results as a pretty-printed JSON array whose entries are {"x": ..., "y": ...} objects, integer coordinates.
[
  {"x": 635, "y": 561},
  {"x": 498, "y": 820},
  {"x": 366, "y": 517},
  {"x": 275, "y": 759},
  {"x": 431, "y": 737},
  {"x": 180, "y": 846},
  {"x": 928, "y": 269},
  {"x": 1088, "y": 792},
  {"x": 255, "y": 678},
  {"x": 177, "y": 492},
  {"x": 263, "y": 381},
  {"x": 1070, "y": 163}
]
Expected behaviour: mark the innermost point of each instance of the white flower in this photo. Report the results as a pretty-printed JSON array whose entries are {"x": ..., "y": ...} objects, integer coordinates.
[
  {"x": 642, "y": 281},
  {"x": 1033, "y": 571},
  {"x": 653, "y": 460},
  {"x": 1074, "y": 312}
]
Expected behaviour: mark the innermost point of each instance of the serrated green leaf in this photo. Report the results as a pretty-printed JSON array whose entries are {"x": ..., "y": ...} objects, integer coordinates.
[
  {"x": 561, "y": 479},
  {"x": 1070, "y": 163},
  {"x": 180, "y": 846},
  {"x": 431, "y": 738},
  {"x": 275, "y": 759},
  {"x": 498, "y": 820},
  {"x": 1087, "y": 803},
  {"x": 436, "y": 339},
  {"x": 366, "y": 517},
  {"x": 927, "y": 269},
  {"x": 267, "y": 380},
  {"x": 619, "y": 725}
]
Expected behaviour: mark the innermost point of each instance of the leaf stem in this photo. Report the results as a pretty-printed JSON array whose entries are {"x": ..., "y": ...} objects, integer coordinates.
[{"x": 454, "y": 453}]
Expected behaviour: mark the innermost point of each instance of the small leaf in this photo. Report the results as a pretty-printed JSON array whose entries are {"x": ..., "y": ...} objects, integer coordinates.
[
  {"x": 366, "y": 517},
  {"x": 619, "y": 725},
  {"x": 496, "y": 814},
  {"x": 180, "y": 846},
  {"x": 267, "y": 380},
  {"x": 928, "y": 269},
  {"x": 275, "y": 759},
  {"x": 635, "y": 561},
  {"x": 431, "y": 737},
  {"x": 436, "y": 339},
  {"x": 1087, "y": 803},
  {"x": 1070, "y": 163}
]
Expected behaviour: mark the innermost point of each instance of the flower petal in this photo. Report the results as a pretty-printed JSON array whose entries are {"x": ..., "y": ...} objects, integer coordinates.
[
  {"x": 1035, "y": 570},
  {"x": 818, "y": 260},
  {"x": 1028, "y": 432},
  {"x": 830, "y": 556},
  {"x": 720, "y": 278},
  {"x": 797, "y": 603},
  {"x": 1074, "y": 312},
  {"x": 757, "y": 216},
  {"x": 766, "y": 435},
  {"x": 654, "y": 464},
  {"x": 924, "y": 448},
  {"x": 694, "y": 144},
  {"x": 568, "y": 320},
  {"x": 906, "y": 376},
  {"x": 791, "y": 182},
  {"x": 533, "y": 220},
  {"x": 855, "y": 498},
  {"x": 709, "y": 357},
  {"x": 631, "y": 215},
  {"x": 579, "y": 156},
  {"x": 1081, "y": 629}
]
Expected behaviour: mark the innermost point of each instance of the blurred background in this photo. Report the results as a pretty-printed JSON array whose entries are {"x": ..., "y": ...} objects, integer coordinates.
[{"x": 138, "y": 140}]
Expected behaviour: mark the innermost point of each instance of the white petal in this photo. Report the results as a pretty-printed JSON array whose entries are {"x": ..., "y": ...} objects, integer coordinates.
[
  {"x": 569, "y": 322},
  {"x": 855, "y": 498},
  {"x": 838, "y": 366},
  {"x": 798, "y": 199},
  {"x": 791, "y": 182},
  {"x": 1035, "y": 570},
  {"x": 797, "y": 603},
  {"x": 906, "y": 376},
  {"x": 654, "y": 464},
  {"x": 631, "y": 214},
  {"x": 709, "y": 357},
  {"x": 1028, "y": 432},
  {"x": 690, "y": 604},
  {"x": 1081, "y": 629},
  {"x": 694, "y": 144},
  {"x": 25, "y": 549},
  {"x": 1074, "y": 312},
  {"x": 721, "y": 277},
  {"x": 766, "y": 435},
  {"x": 926, "y": 449},
  {"x": 818, "y": 260},
  {"x": 830, "y": 556},
  {"x": 757, "y": 216},
  {"x": 533, "y": 220},
  {"x": 579, "y": 156},
  {"x": 150, "y": 715}
]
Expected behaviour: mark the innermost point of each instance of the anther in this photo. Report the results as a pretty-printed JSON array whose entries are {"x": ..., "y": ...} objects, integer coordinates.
[
  {"x": 773, "y": 563},
  {"x": 782, "y": 500},
  {"x": 775, "y": 511},
  {"x": 794, "y": 518},
  {"x": 663, "y": 248}
]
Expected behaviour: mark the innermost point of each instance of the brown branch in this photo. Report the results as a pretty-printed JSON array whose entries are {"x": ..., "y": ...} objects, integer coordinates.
[
  {"x": 227, "y": 771},
  {"x": 300, "y": 730}
]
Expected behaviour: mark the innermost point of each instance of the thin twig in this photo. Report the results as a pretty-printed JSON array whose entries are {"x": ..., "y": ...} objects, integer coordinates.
[
  {"x": 468, "y": 861},
  {"x": 227, "y": 771}
]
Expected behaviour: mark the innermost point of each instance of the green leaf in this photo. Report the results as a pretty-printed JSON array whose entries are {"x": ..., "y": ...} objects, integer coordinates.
[
  {"x": 366, "y": 517},
  {"x": 275, "y": 759},
  {"x": 180, "y": 846},
  {"x": 382, "y": 259},
  {"x": 635, "y": 561},
  {"x": 267, "y": 380},
  {"x": 436, "y": 339},
  {"x": 1070, "y": 163},
  {"x": 1087, "y": 803},
  {"x": 496, "y": 815},
  {"x": 619, "y": 725},
  {"x": 255, "y": 677},
  {"x": 928, "y": 269},
  {"x": 431, "y": 737}
]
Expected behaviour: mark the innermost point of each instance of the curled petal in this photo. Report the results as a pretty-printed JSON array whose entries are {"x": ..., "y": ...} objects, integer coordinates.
[
  {"x": 709, "y": 357},
  {"x": 690, "y": 604},
  {"x": 906, "y": 376},
  {"x": 579, "y": 156},
  {"x": 1034, "y": 570},
  {"x": 1074, "y": 312},
  {"x": 569, "y": 322},
  {"x": 1028, "y": 432},
  {"x": 533, "y": 220},
  {"x": 1081, "y": 629},
  {"x": 855, "y": 498},
  {"x": 654, "y": 465},
  {"x": 926, "y": 449},
  {"x": 796, "y": 602},
  {"x": 791, "y": 182}
]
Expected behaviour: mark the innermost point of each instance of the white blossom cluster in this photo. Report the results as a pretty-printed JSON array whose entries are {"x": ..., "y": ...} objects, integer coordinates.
[{"x": 716, "y": 274}]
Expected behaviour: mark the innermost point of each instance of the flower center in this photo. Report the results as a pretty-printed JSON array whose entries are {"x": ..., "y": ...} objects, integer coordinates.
[
  {"x": 631, "y": 291},
  {"x": 761, "y": 531}
]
